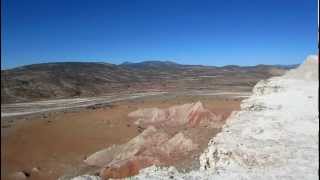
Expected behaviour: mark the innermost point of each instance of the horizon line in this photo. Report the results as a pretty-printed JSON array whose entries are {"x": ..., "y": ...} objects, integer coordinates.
[{"x": 137, "y": 62}]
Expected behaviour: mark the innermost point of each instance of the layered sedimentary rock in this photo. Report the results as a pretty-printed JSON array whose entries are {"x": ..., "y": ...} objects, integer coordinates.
[
  {"x": 149, "y": 137},
  {"x": 165, "y": 140},
  {"x": 192, "y": 115},
  {"x": 274, "y": 136},
  {"x": 151, "y": 147}
]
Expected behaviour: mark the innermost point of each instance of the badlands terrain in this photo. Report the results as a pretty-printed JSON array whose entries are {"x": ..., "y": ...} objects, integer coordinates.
[{"x": 61, "y": 120}]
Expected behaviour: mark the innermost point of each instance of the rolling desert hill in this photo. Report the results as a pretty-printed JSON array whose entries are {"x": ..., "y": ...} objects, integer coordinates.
[{"x": 86, "y": 79}]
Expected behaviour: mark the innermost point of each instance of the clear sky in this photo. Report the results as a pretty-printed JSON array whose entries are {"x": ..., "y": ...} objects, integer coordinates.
[{"x": 209, "y": 32}]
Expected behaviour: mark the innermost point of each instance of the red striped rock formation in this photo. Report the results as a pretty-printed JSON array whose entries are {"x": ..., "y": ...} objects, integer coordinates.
[
  {"x": 165, "y": 140},
  {"x": 150, "y": 137},
  {"x": 192, "y": 114}
]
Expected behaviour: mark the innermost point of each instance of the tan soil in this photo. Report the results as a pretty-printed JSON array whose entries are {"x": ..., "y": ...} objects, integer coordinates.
[{"x": 59, "y": 143}]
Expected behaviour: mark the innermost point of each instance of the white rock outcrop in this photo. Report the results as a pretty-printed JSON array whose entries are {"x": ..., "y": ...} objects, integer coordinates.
[{"x": 274, "y": 136}]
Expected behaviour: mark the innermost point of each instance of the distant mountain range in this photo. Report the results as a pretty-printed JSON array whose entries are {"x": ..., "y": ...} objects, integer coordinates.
[
  {"x": 80, "y": 79},
  {"x": 163, "y": 64}
]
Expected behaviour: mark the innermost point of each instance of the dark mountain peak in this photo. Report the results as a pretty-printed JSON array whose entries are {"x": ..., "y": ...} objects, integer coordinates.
[
  {"x": 150, "y": 64},
  {"x": 158, "y": 62},
  {"x": 231, "y": 67},
  {"x": 126, "y": 63},
  {"x": 155, "y": 62}
]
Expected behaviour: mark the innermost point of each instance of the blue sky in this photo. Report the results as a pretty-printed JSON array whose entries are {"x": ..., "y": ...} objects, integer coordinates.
[{"x": 209, "y": 32}]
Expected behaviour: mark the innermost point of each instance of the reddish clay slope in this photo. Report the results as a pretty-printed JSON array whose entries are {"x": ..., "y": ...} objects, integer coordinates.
[{"x": 166, "y": 139}]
